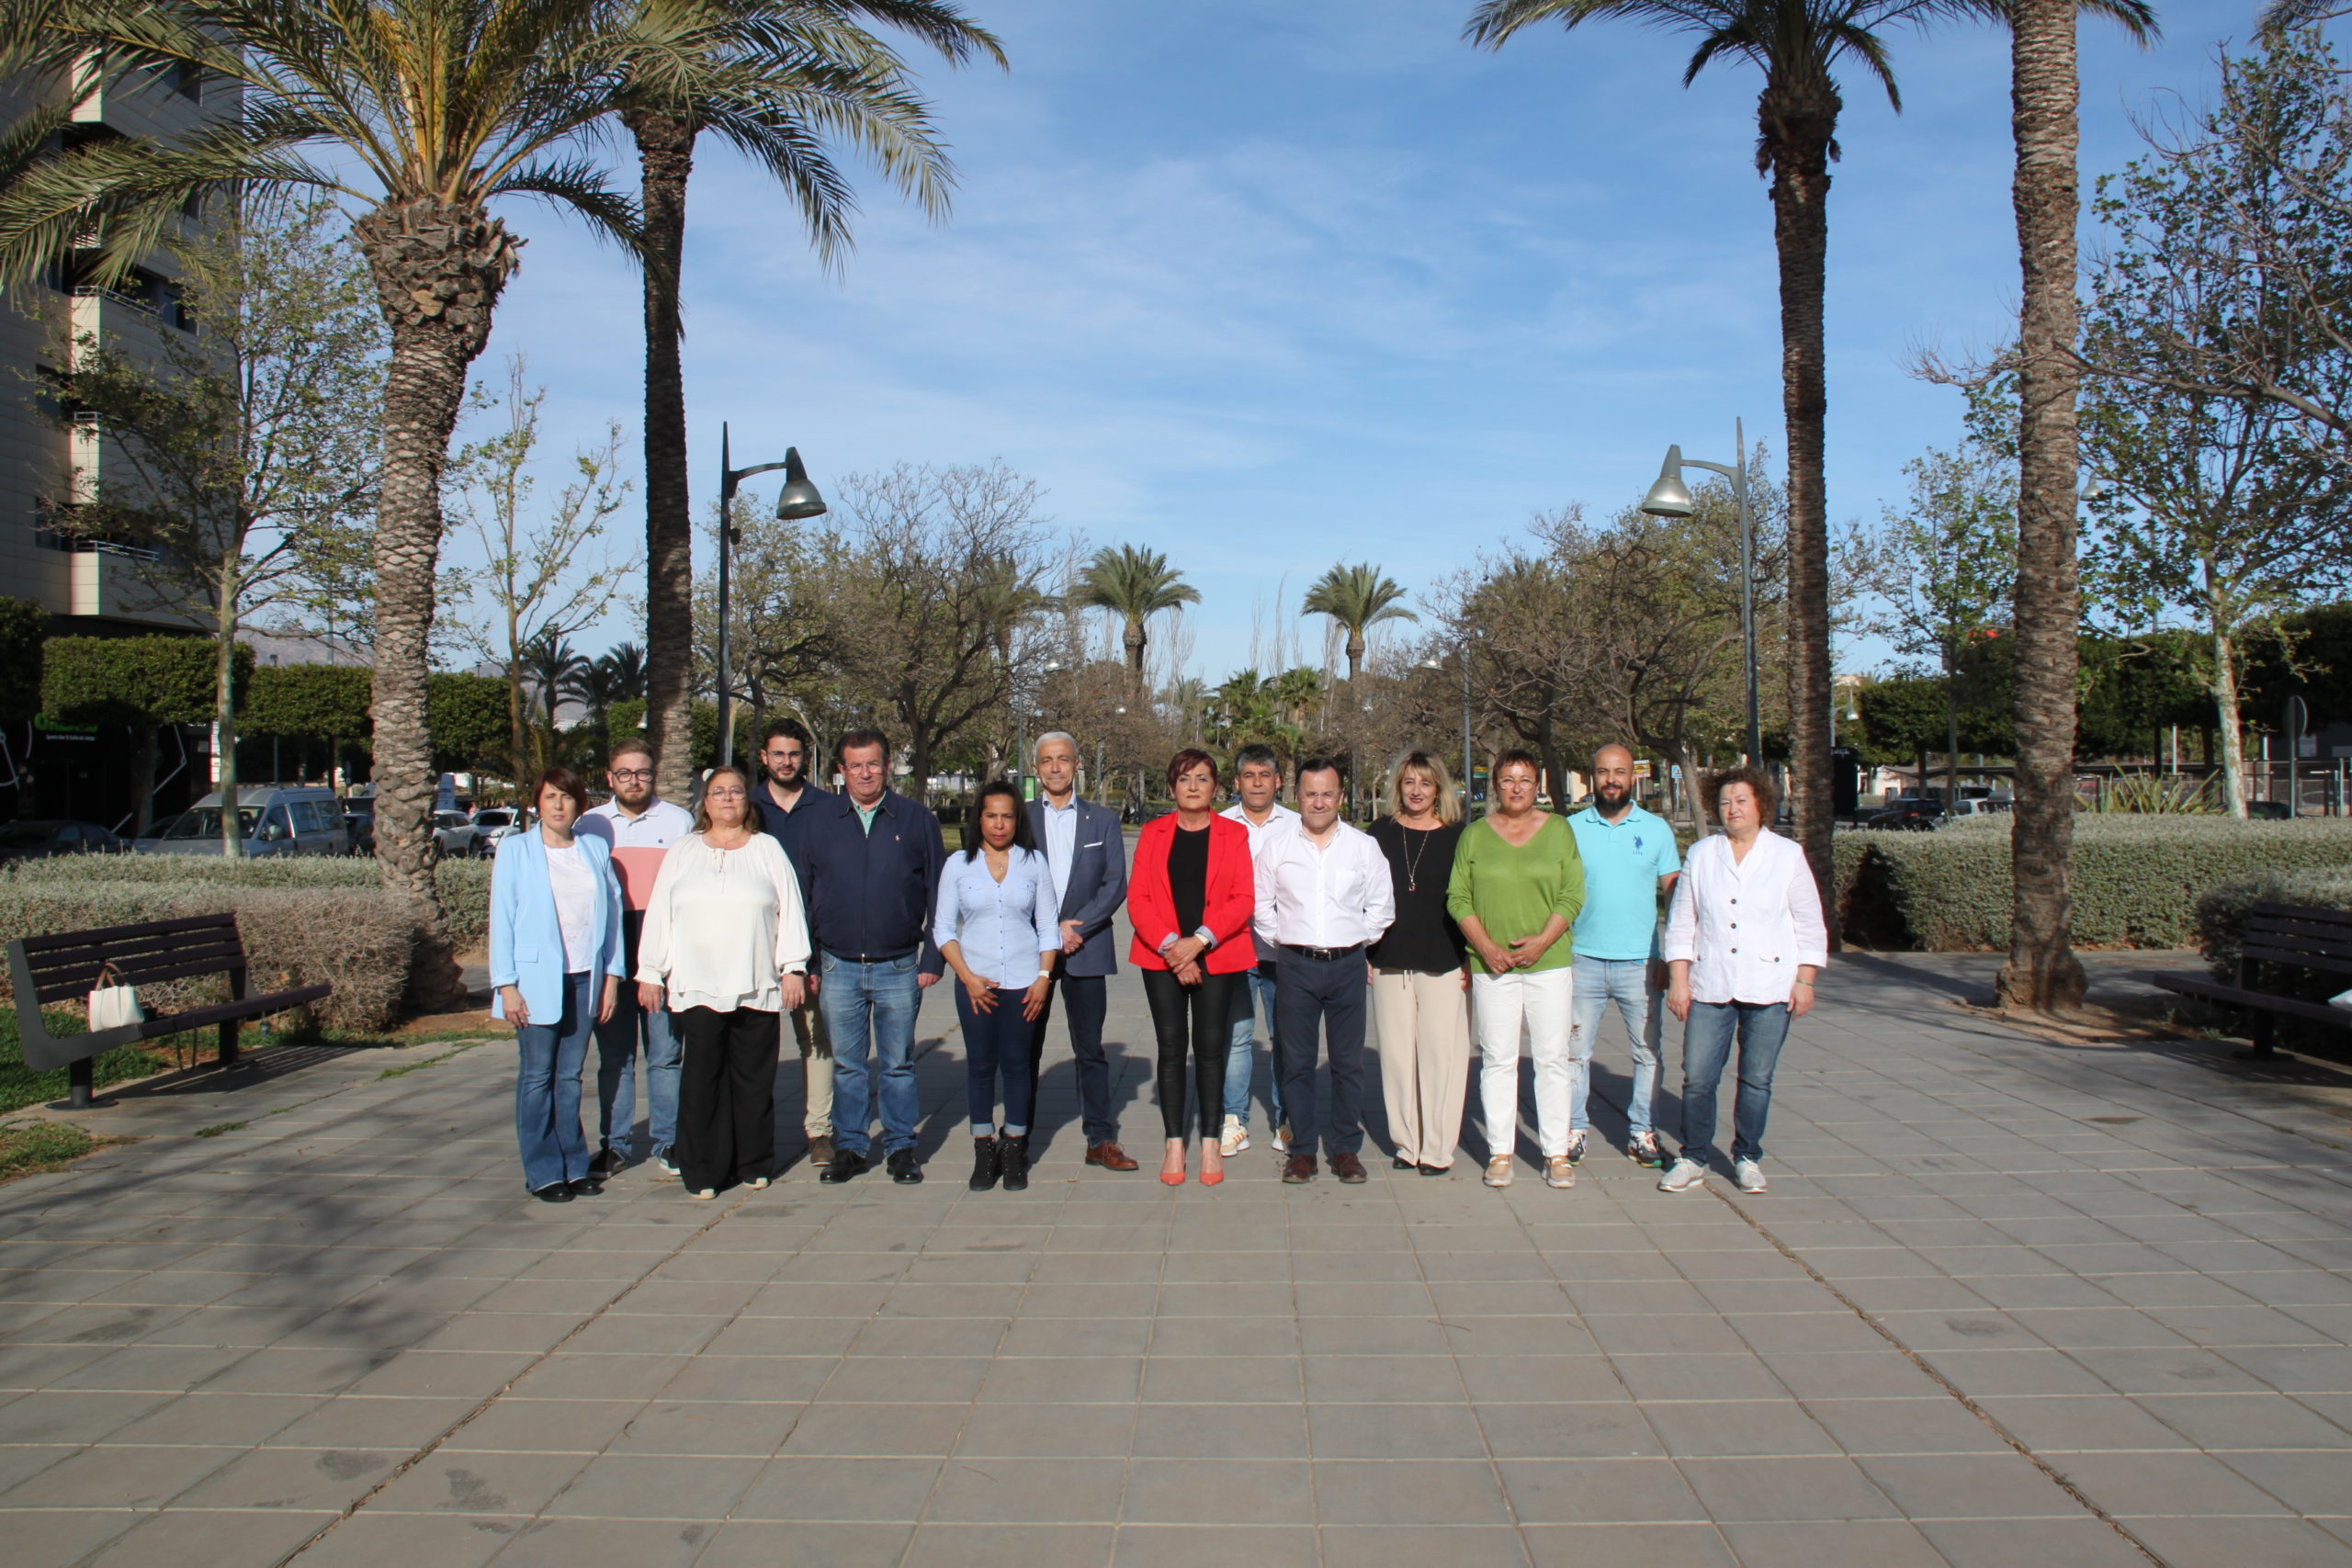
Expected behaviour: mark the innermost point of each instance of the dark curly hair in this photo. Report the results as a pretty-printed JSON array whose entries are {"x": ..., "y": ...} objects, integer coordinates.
[{"x": 1767, "y": 796}]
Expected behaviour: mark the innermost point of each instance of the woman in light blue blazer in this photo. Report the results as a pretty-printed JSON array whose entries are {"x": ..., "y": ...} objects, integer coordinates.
[{"x": 555, "y": 963}]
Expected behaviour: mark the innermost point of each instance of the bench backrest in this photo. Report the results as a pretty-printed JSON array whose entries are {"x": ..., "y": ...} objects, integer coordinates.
[
  {"x": 65, "y": 967},
  {"x": 2301, "y": 935}
]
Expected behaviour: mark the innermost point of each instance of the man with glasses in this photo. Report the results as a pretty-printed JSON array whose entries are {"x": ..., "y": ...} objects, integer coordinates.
[
  {"x": 639, "y": 828},
  {"x": 787, "y": 757}
]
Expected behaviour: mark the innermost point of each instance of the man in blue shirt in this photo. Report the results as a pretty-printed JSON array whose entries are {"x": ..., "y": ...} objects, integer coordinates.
[
  {"x": 1629, "y": 865},
  {"x": 784, "y": 800},
  {"x": 870, "y": 860}
]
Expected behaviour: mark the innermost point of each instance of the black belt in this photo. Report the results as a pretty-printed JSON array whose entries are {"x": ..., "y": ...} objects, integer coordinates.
[
  {"x": 1326, "y": 955},
  {"x": 871, "y": 957}
]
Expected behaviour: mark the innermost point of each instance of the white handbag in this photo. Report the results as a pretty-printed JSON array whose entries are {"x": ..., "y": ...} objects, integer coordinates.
[
  {"x": 112, "y": 1003},
  {"x": 2342, "y": 1000}
]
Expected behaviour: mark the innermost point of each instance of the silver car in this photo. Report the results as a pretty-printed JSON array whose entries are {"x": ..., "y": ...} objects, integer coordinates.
[
  {"x": 273, "y": 819},
  {"x": 456, "y": 834}
]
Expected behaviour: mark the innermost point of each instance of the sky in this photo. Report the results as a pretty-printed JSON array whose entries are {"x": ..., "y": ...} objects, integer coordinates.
[{"x": 1270, "y": 284}]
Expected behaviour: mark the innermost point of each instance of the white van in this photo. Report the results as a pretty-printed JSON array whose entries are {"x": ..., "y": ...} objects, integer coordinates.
[{"x": 276, "y": 820}]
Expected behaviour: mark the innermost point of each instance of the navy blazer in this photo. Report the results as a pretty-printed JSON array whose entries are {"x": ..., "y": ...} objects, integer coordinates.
[
  {"x": 871, "y": 895},
  {"x": 1097, "y": 886}
]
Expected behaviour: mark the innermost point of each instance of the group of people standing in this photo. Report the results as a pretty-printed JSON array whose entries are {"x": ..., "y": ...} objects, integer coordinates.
[{"x": 689, "y": 939}]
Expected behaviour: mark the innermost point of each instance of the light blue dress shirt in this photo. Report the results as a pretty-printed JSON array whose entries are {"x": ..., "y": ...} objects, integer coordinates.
[
  {"x": 1622, "y": 862},
  {"x": 1061, "y": 844},
  {"x": 1001, "y": 926}
]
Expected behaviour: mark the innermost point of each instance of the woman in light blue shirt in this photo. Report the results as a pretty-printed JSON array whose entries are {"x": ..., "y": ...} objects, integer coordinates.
[{"x": 995, "y": 927}]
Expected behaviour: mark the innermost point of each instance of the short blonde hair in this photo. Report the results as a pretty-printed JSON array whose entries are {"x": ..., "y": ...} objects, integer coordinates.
[{"x": 1449, "y": 808}]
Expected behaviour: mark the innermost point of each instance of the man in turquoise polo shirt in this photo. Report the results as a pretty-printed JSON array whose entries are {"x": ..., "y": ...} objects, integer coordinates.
[{"x": 1629, "y": 865}]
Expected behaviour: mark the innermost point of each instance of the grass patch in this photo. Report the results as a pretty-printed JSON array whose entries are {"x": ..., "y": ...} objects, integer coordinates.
[
  {"x": 20, "y": 1085},
  {"x": 220, "y": 1127},
  {"x": 42, "y": 1145},
  {"x": 407, "y": 1067}
]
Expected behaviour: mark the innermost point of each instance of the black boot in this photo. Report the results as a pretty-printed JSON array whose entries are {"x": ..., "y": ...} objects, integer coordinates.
[
  {"x": 1013, "y": 1154},
  {"x": 986, "y": 1164}
]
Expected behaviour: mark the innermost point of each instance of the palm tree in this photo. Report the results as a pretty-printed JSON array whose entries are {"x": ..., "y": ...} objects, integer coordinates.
[
  {"x": 1356, "y": 597},
  {"x": 784, "y": 76},
  {"x": 1134, "y": 584},
  {"x": 1799, "y": 45},
  {"x": 624, "y": 668},
  {"x": 2043, "y": 971},
  {"x": 422, "y": 115}
]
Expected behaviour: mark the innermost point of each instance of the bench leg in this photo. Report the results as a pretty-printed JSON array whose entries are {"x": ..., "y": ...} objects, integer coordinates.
[
  {"x": 2266, "y": 1030},
  {"x": 80, "y": 1079},
  {"x": 228, "y": 1041}
]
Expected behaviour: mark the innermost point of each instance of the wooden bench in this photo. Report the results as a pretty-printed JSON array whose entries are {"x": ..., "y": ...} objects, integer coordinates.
[
  {"x": 2283, "y": 936},
  {"x": 65, "y": 967}
]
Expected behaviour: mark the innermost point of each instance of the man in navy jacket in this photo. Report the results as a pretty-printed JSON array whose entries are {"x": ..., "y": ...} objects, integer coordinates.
[
  {"x": 871, "y": 862},
  {"x": 783, "y": 799},
  {"x": 1087, "y": 856}
]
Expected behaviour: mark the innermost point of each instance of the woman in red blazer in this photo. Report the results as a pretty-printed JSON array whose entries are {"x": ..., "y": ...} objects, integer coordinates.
[{"x": 1190, "y": 899}]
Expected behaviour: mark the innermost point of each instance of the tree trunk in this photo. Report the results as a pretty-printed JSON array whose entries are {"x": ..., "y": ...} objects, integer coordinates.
[
  {"x": 2043, "y": 973},
  {"x": 1355, "y": 654},
  {"x": 1952, "y": 734},
  {"x": 145, "y": 752},
  {"x": 2224, "y": 687},
  {"x": 224, "y": 720},
  {"x": 665, "y": 150},
  {"x": 438, "y": 269},
  {"x": 1798, "y": 125},
  {"x": 1135, "y": 641}
]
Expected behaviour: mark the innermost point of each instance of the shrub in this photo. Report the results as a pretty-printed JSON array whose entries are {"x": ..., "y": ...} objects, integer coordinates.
[
  {"x": 464, "y": 884},
  {"x": 2137, "y": 879},
  {"x": 2219, "y": 916}
]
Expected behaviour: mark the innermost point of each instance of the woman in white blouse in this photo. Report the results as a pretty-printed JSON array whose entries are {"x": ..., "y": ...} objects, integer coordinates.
[
  {"x": 995, "y": 926},
  {"x": 726, "y": 939},
  {"x": 1743, "y": 940}
]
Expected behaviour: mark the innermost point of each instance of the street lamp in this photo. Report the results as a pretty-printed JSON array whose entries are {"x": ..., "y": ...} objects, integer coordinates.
[
  {"x": 1021, "y": 733},
  {"x": 1669, "y": 497},
  {"x": 798, "y": 501},
  {"x": 1433, "y": 662}
]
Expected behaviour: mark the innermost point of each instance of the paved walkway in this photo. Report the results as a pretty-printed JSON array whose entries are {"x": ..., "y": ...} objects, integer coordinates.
[{"x": 2007, "y": 1302}]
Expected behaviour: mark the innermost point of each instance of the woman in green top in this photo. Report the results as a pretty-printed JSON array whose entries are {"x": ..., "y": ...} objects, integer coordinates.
[{"x": 1518, "y": 884}]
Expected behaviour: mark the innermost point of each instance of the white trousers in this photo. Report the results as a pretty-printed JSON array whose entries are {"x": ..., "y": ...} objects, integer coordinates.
[{"x": 1504, "y": 1009}]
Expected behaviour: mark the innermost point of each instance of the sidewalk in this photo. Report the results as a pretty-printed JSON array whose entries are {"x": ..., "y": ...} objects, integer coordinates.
[{"x": 2007, "y": 1302}]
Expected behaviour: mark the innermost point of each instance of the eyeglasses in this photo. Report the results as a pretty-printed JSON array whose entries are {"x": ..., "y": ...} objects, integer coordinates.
[{"x": 637, "y": 776}]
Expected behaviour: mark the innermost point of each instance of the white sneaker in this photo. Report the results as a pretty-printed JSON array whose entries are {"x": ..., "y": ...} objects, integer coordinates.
[
  {"x": 1560, "y": 1172},
  {"x": 1682, "y": 1176},
  {"x": 1499, "y": 1171},
  {"x": 1281, "y": 1138},
  {"x": 1575, "y": 1148},
  {"x": 1234, "y": 1139},
  {"x": 663, "y": 1161},
  {"x": 1751, "y": 1175}
]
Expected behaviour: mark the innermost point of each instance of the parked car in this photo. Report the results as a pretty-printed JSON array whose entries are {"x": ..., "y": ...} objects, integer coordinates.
[
  {"x": 273, "y": 819},
  {"x": 492, "y": 823},
  {"x": 456, "y": 834},
  {"x": 37, "y": 838},
  {"x": 1985, "y": 806},
  {"x": 1916, "y": 815}
]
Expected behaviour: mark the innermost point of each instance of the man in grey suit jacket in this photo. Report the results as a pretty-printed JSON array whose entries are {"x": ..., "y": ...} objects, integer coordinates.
[{"x": 1087, "y": 855}]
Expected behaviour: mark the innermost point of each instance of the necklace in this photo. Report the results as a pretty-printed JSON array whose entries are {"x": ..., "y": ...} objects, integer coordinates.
[{"x": 1412, "y": 857}]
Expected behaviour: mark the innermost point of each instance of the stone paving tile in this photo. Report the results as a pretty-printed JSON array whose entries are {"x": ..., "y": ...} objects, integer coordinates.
[{"x": 265, "y": 1327}]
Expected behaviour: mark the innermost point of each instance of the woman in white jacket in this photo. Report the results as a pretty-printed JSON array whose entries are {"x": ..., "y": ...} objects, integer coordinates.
[
  {"x": 726, "y": 939},
  {"x": 1743, "y": 940}
]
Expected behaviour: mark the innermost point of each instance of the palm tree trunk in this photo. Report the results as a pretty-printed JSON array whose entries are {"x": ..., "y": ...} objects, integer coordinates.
[
  {"x": 665, "y": 150},
  {"x": 1134, "y": 640},
  {"x": 1799, "y": 125},
  {"x": 438, "y": 269},
  {"x": 2043, "y": 973}
]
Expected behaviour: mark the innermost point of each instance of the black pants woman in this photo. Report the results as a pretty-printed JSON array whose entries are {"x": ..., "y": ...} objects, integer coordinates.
[
  {"x": 726, "y": 1098},
  {"x": 1194, "y": 1021}
]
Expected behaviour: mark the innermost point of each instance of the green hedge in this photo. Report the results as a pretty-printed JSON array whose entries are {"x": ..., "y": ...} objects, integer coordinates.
[
  {"x": 464, "y": 884},
  {"x": 2137, "y": 879}
]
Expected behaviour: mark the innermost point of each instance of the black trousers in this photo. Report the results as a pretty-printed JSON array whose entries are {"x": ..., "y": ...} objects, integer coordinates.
[
  {"x": 1090, "y": 1000},
  {"x": 1329, "y": 992},
  {"x": 726, "y": 1097},
  {"x": 1201, "y": 1018}
]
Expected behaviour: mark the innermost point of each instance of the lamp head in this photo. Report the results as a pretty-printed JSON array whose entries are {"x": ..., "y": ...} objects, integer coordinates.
[
  {"x": 1669, "y": 497},
  {"x": 799, "y": 499}
]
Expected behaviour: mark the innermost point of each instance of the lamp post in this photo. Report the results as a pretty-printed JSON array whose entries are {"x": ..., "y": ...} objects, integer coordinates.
[
  {"x": 1462, "y": 654},
  {"x": 1669, "y": 497},
  {"x": 798, "y": 500},
  {"x": 1020, "y": 735}
]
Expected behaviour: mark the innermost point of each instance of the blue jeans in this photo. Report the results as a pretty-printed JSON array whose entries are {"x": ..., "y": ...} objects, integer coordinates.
[
  {"x": 1762, "y": 1028},
  {"x": 1247, "y": 1000},
  {"x": 996, "y": 1044},
  {"x": 1627, "y": 982},
  {"x": 549, "y": 1058},
  {"x": 872, "y": 1007},
  {"x": 616, "y": 1046}
]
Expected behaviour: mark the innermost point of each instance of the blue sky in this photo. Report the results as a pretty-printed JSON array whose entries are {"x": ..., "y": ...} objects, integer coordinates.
[{"x": 1267, "y": 284}]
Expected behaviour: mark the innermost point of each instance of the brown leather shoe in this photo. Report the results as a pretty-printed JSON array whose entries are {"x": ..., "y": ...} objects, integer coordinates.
[
  {"x": 1348, "y": 1169},
  {"x": 1300, "y": 1166},
  {"x": 820, "y": 1152},
  {"x": 1109, "y": 1155}
]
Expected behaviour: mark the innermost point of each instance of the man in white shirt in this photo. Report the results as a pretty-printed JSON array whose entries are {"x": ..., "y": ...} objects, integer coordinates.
[
  {"x": 638, "y": 827},
  {"x": 1258, "y": 778},
  {"x": 1323, "y": 896}
]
